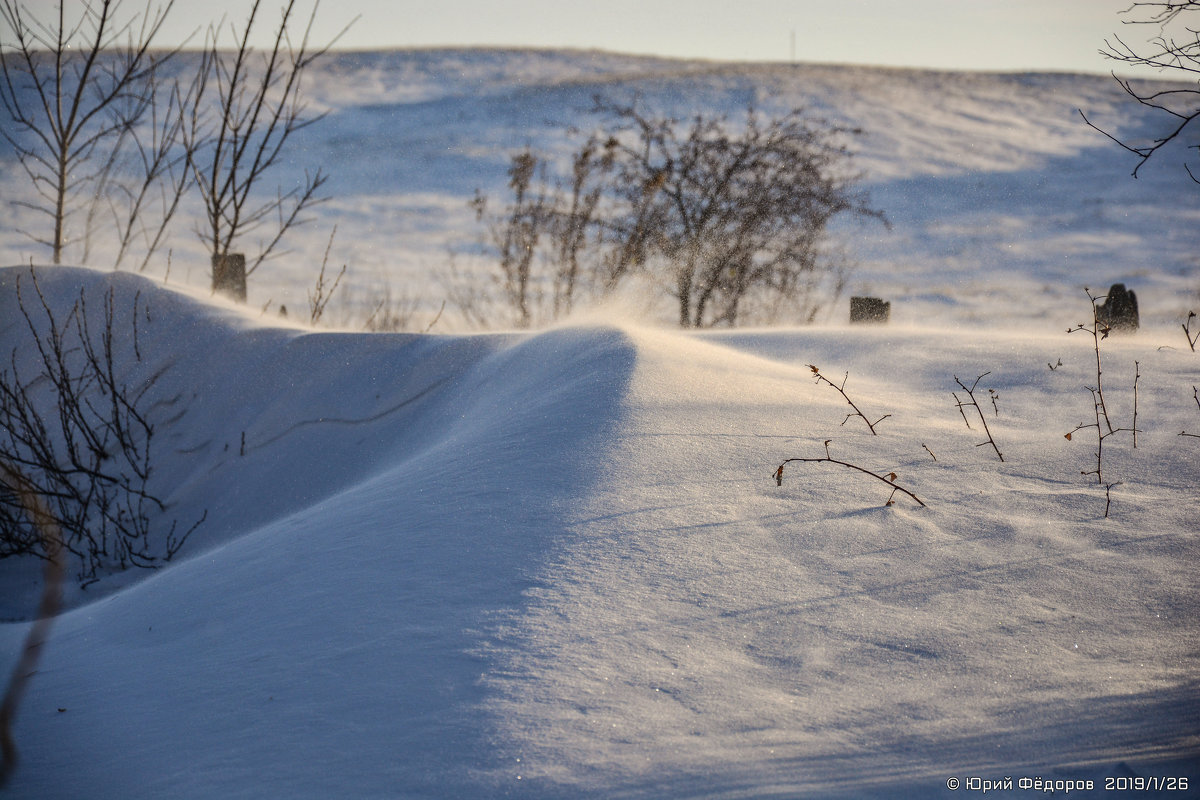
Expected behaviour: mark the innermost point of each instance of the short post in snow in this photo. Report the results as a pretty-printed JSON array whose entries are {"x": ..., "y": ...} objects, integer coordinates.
[
  {"x": 1119, "y": 310},
  {"x": 869, "y": 310},
  {"x": 229, "y": 275}
]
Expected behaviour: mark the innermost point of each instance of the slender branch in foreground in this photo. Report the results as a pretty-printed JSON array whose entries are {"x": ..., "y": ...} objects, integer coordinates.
[
  {"x": 1137, "y": 369},
  {"x": 1099, "y": 331},
  {"x": 1196, "y": 397},
  {"x": 889, "y": 479},
  {"x": 842, "y": 391},
  {"x": 55, "y": 566},
  {"x": 1187, "y": 331},
  {"x": 322, "y": 294},
  {"x": 1108, "y": 487},
  {"x": 975, "y": 403}
]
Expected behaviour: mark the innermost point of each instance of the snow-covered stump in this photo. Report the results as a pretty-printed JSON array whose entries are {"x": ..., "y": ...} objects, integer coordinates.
[
  {"x": 229, "y": 275},
  {"x": 869, "y": 310}
]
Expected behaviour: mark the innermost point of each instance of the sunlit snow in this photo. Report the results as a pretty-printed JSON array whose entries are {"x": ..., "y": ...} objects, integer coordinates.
[{"x": 555, "y": 564}]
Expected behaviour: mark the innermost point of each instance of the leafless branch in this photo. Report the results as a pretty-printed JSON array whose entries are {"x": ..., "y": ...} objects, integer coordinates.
[
  {"x": 259, "y": 106},
  {"x": 842, "y": 391},
  {"x": 320, "y": 296},
  {"x": 970, "y": 390},
  {"x": 1165, "y": 52},
  {"x": 889, "y": 479},
  {"x": 73, "y": 91}
]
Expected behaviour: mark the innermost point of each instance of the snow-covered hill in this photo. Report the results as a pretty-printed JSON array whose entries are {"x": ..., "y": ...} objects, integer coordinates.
[
  {"x": 556, "y": 564},
  {"x": 1003, "y": 202}
]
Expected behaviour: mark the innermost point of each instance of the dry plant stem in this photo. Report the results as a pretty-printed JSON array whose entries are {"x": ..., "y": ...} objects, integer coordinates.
[
  {"x": 1108, "y": 487},
  {"x": 1196, "y": 397},
  {"x": 1103, "y": 424},
  {"x": 975, "y": 404},
  {"x": 320, "y": 296},
  {"x": 842, "y": 391},
  {"x": 90, "y": 460},
  {"x": 889, "y": 479},
  {"x": 1100, "y": 437},
  {"x": 436, "y": 317},
  {"x": 1187, "y": 331},
  {"x": 1098, "y": 331},
  {"x": 1137, "y": 370},
  {"x": 53, "y": 569}
]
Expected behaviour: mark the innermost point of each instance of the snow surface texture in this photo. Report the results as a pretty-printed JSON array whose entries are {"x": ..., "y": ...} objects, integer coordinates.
[{"x": 556, "y": 564}]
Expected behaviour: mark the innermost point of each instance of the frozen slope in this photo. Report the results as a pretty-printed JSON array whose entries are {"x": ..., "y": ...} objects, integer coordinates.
[
  {"x": 557, "y": 565},
  {"x": 1003, "y": 202}
]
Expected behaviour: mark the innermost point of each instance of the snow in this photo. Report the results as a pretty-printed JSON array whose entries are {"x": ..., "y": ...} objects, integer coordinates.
[{"x": 556, "y": 563}]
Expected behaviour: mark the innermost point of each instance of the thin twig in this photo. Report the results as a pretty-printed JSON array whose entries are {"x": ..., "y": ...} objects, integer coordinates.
[
  {"x": 975, "y": 404},
  {"x": 1108, "y": 487},
  {"x": 436, "y": 317},
  {"x": 1137, "y": 376},
  {"x": 842, "y": 391},
  {"x": 319, "y": 297},
  {"x": 1196, "y": 397},
  {"x": 890, "y": 479},
  {"x": 1099, "y": 331}
]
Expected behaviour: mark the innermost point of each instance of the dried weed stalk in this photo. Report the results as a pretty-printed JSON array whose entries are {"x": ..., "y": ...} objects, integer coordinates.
[
  {"x": 321, "y": 294},
  {"x": 970, "y": 390},
  {"x": 81, "y": 437},
  {"x": 841, "y": 388},
  {"x": 1196, "y": 397},
  {"x": 889, "y": 479},
  {"x": 1103, "y": 422}
]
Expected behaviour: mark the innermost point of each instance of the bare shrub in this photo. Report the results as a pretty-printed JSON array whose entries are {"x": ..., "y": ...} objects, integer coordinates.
[
  {"x": 80, "y": 436},
  {"x": 720, "y": 216}
]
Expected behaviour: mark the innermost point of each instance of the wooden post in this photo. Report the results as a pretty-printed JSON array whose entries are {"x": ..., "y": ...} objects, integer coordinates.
[
  {"x": 229, "y": 275},
  {"x": 869, "y": 309}
]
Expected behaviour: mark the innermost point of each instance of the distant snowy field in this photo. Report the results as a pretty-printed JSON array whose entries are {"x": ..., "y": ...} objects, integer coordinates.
[
  {"x": 555, "y": 564},
  {"x": 1004, "y": 203}
]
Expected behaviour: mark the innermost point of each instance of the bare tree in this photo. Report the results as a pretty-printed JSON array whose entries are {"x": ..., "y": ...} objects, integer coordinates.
[
  {"x": 729, "y": 209},
  {"x": 715, "y": 213},
  {"x": 1175, "y": 52},
  {"x": 258, "y": 107},
  {"x": 73, "y": 90}
]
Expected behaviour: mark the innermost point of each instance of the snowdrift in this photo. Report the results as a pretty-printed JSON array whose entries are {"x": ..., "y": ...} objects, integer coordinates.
[{"x": 556, "y": 564}]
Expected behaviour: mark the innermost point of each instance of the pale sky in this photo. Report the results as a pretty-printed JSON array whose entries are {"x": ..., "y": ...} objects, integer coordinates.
[{"x": 1058, "y": 35}]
